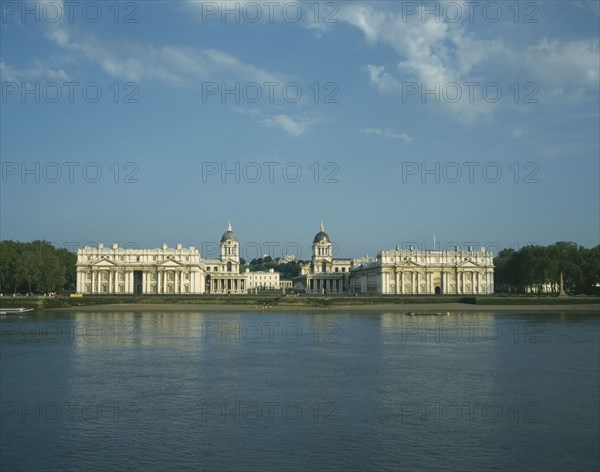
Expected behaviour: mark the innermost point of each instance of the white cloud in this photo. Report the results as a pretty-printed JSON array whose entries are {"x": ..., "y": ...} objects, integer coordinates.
[
  {"x": 589, "y": 5},
  {"x": 287, "y": 123},
  {"x": 386, "y": 133},
  {"x": 129, "y": 60},
  {"x": 569, "y": 66},
  {"x": 431, "y": 53},
  {"x": 138, "y": 61},
  {"x": 246, "y": 111},
  {"x": 381, "y": 79},
  {"x": 37, "y": 72},
  {"x": 8, "y": 74},
  {"x": 316, "y": 16}
]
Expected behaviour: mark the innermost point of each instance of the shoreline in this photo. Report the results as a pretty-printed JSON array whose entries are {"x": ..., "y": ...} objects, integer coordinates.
[{"x": 400, "y": 308}]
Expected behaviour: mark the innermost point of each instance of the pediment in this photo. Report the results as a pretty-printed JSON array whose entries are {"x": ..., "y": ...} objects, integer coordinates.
[
  {"x": 104, "y": 263},
  {"x": 170, "y": 263},
  {"x": 469, "y": 265},
  {"x": 411, "y": 264}
]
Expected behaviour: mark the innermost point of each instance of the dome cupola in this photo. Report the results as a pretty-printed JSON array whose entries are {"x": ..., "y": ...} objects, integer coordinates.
[
  {"x": 321, "y": 235},
  {"x": 229, "y": 235}
]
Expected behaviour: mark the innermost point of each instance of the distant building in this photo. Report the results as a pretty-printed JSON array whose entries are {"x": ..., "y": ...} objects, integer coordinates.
[
  {"x": 410, "y": 272},
  {"x": 115, "y": 270},
  {"x": 261, "y": 280},
  {"x": 223, "y": 274},
  {"x": 398, "y": 272},
  {"x": 324, "y": 274},
  {"x": 179, "y": 270}
]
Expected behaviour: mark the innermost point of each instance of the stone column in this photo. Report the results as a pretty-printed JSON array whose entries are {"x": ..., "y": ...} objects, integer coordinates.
[{"x": 456, "y": 280}]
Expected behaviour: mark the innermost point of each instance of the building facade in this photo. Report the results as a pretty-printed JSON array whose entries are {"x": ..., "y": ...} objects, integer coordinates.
[
  {"x": 180, "y": 271},
  {"x": 168, "y": 270},
  {"x": 397, "y": 272},
  {"x": 262, "y": 280},
  {"x": 223, "y": 274},
  {"x": 408, "y": 272},
  {"x": 116, "y": 270},
  {"x": 324, "y": 274}
]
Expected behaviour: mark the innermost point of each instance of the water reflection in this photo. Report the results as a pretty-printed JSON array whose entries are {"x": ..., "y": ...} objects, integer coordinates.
[{"x": 245, "y": 390}]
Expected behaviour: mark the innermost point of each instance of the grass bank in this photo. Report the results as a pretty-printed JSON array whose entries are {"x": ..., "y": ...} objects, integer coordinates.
[{"x": 309, "y": 301}]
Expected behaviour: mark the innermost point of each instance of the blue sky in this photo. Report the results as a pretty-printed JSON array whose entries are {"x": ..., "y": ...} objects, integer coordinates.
[{"x": 390, "y": 121}]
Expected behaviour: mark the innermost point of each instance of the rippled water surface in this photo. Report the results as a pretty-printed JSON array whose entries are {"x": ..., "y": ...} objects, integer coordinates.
[{"x": 277, "y": 391}]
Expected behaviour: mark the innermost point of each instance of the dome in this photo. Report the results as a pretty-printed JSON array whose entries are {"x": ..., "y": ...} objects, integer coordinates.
[
  {"x": 321, "y": 236},
  {"x": 229, "y": 235}
]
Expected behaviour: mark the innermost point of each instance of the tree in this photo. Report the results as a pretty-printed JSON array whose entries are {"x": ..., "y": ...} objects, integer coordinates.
[
  {"x": 534, "y": 266},
  {"x": 35, "y": 267}
]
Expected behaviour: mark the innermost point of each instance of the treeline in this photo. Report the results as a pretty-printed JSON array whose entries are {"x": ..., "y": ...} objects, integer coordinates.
[
  {"x": 537, "y": 269},
  {"x": 287, "y": 270},
  {"x": 35, "y": 267}
]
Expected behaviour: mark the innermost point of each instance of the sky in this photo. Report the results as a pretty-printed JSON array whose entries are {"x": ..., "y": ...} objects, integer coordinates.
[{"x": 395, "y": 123}]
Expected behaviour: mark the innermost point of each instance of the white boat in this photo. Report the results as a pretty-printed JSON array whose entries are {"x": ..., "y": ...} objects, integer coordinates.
[{"x": 14, "y": 311}]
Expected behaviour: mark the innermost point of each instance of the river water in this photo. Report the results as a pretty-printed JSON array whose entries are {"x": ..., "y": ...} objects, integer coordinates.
[{"x": 268, "y": 391}]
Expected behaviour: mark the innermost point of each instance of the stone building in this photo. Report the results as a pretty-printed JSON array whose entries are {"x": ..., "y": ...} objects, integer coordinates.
[
  {"x": 223, "y": 274},
  {"x": 168, "y": 270},
  {"x": 323, "y": 274},
  {"x": 263, "y": 280},
  {"x": 409, "y": 272},
  {"x": 398, "y": 272},
  {"x": 116, "y": 270},
  {"x": 179, "y": 270}
]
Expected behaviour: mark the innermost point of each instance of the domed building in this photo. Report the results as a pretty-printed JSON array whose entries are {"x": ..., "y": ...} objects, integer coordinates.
[
  {"x": 168, "y": 270},
  {"x": 397, "y": 272},
  {"x": 179, "y": 270},
  {"x": 223, "y": 275},
  {"x": 324, "y": 274}
]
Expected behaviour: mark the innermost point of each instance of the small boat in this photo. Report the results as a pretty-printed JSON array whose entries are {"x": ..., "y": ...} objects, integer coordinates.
[
  {"x": 15, "y": 311},
  {"x": 425, "y": 313}
]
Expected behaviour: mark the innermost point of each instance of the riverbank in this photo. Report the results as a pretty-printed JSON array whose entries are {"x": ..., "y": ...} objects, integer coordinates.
[
  {"x": 433, "y": 307},
  {"x": 279, "y": 302}
]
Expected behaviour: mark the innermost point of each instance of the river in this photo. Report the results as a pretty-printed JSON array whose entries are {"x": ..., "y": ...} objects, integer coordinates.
[{"x": 275, "y": 391}]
